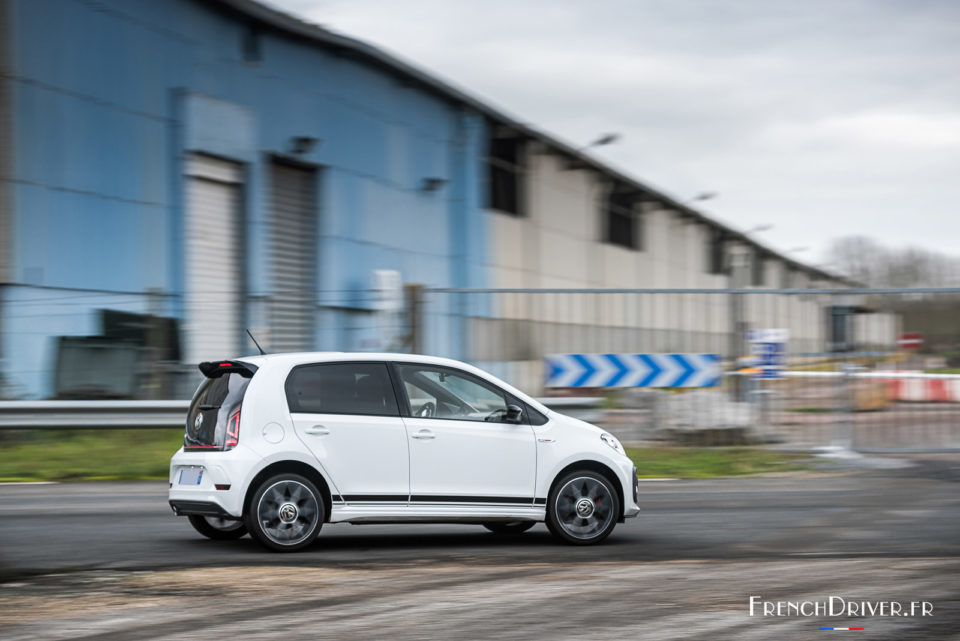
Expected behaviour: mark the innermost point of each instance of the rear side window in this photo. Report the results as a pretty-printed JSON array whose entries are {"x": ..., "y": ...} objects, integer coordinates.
[
  {"x": 342, "y": 388},
  {"x": 216, "y": 402}
]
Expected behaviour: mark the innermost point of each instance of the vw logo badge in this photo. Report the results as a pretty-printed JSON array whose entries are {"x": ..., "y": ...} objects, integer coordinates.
[
  {"x": 288, "y": 513},
  {"x": 198, "y": 422}
]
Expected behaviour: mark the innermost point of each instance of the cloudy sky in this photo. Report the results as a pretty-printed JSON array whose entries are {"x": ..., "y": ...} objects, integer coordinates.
[{"x": 822, "y": 119}]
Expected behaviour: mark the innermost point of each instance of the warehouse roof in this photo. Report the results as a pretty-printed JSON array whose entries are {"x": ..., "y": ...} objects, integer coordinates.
[{"x": 292, "y": 26}]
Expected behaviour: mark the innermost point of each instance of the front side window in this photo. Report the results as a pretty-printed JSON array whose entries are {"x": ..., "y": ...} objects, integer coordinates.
[
  {"x": 440, "y": 392},
  {"x": 341, "y": 388}
]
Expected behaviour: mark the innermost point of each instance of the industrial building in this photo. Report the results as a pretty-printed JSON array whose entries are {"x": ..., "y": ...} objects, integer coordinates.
[{"x": 220, "y": 165}]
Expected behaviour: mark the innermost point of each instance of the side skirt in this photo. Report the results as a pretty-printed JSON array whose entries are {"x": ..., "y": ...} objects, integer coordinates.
[{"x": 437, "y": 513}]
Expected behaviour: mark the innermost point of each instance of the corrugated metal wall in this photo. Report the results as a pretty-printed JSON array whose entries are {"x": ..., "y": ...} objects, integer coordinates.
[
  {"x": 6, "y": 145},
  {"x": 293, "y": 249}
]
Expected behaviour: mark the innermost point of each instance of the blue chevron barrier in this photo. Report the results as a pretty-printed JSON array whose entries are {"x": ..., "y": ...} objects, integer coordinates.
[{"x": 633, "y": 370}]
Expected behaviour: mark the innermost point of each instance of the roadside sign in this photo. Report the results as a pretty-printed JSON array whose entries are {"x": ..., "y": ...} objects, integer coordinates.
[
  {"x": 770, "y": 348},
  {"x": 910, "y": 340},
  {"x": 633, "y": 370}
]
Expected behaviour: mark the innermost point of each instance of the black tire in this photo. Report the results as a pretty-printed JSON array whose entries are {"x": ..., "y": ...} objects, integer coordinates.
[
  {"x": 286, "y": 513},
  {"x": 216, "y": 528},
  {"x": 509, "y": 527},
  {"x": 583, "y": 508}
]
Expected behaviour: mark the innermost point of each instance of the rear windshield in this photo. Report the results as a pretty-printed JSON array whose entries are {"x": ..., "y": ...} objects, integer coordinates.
[{"x": 213, "y": 404}]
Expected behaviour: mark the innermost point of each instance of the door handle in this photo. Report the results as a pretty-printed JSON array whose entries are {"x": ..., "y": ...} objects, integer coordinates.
[
  {"x": 317, "y": 430},
  {"x": 423, "y": 435}
]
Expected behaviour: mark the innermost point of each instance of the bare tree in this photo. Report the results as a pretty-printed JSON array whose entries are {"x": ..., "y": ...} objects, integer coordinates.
[{"x": 864, "y": 260}]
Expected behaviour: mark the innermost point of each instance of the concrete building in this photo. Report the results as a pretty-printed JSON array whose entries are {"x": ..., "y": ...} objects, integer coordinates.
[{"x": 223, "y": 166}]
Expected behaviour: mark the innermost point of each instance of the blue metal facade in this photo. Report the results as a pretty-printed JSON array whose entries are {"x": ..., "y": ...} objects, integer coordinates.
[{"x": 108, "y": 97}]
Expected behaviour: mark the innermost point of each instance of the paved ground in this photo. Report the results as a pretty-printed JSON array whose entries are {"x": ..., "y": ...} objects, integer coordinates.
[{"x": 115, "y": 564}]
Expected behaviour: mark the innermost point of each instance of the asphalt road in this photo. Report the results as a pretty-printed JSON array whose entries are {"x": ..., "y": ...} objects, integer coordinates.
[{"x": 693, "y": 557}]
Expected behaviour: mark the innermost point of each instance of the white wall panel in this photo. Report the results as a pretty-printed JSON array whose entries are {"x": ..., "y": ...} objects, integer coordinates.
[{"x": 212, "y": 226}]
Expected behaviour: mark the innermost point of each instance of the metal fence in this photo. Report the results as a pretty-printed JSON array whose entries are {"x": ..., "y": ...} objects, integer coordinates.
[{"x": 846, "y": 382}]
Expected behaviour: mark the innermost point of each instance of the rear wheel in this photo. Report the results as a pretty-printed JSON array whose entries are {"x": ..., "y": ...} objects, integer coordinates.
[
  {"x": 286, "y": 513},
  {"x": 214, "y": 527},
  {"x": 583, "y": 508},
  {"x": 509, "y": 527}
]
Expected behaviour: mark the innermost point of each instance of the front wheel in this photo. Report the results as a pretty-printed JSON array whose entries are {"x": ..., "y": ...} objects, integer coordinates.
[
  {"x": 582, "y": 508},
  {"x": 214, "y": 527},
  {"x": 286, "y": 513},
  {"x": 509, "y": 527}
]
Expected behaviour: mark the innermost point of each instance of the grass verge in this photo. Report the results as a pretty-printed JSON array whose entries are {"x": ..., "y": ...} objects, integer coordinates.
[
  {"x": 708, "y": 462},
  {"x": 88, "y": 455},
  {"x": 117, "y": 455}
]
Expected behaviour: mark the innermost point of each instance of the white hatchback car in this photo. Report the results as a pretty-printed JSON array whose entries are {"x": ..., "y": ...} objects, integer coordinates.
[{"x": 280, "y": 444}]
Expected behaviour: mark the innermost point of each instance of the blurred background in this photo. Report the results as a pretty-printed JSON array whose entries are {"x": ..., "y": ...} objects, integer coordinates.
[
  {"x": 174, "y": 174},
  {"x": 725, "y": 232}
]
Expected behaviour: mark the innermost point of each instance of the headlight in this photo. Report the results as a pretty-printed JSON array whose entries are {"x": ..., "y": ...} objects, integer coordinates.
[{"x": 612, "y": 441}]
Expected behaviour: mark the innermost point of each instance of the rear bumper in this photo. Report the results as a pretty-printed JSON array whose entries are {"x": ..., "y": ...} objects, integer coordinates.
[
  {"x": 220, "y": 491},
  {"x": 198, "y": 508}
]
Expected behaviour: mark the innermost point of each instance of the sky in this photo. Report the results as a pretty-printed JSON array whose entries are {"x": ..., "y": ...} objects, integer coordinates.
[{"x": 821, "y": 119}]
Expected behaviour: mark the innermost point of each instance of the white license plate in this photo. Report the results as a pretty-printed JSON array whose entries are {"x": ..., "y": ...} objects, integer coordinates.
[{"x": 190, "y": 476}]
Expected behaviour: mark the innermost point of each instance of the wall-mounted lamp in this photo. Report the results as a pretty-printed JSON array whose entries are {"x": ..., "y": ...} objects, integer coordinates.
[
  {"x": 302, "y": 144},
  {"x": 432, "y": 184}
]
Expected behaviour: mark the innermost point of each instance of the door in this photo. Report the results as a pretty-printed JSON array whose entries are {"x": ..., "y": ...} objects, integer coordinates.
[
  {"x": 461, "y": 448},
  {"x": 293, "y": 248},
  {"x": 212, "y": 264},
  {"x": 347, "y": 415}
]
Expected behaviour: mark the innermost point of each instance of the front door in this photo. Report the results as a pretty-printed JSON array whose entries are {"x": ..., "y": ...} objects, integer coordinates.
[
  {"x": 461, "y": 448},
  {"x": 347, "y": 415}
]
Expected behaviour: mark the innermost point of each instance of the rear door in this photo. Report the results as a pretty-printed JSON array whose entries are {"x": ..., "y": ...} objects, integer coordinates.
[
  {"x": 461, "y": 449},
  {"x": 347, "y": 414}
]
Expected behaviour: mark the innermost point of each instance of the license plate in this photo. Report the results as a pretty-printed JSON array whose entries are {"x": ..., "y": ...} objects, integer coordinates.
[{"x": 190, "y": 476}]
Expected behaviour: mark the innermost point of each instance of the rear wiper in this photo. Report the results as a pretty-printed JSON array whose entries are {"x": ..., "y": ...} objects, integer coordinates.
[{"x": 209, "y": 407}]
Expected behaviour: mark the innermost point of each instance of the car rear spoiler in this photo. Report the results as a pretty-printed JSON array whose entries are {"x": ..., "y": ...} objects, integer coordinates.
[{"x": 216, "y": 369}]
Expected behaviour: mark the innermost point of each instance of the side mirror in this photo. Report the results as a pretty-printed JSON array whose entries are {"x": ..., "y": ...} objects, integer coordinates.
[{"x": 514, "y": 414}]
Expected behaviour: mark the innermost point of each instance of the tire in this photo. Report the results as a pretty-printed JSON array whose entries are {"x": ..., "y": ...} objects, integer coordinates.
[
  {"x": 285, "y": 513},
  {"x": 583, "y": 508},
  {"x": 216, "y": 528},
  {"x": 509, "y": 527}
]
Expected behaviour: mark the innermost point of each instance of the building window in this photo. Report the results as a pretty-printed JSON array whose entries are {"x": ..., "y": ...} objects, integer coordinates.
[
  {"x": 624, "y": 227},
  {"x": 716, "y": 263},
  {"x": 785, "y": 274},
  {"x": 251, "y": 46},
  {"x": 505, "y": 175},
  {"x": 756, "y": 270}
]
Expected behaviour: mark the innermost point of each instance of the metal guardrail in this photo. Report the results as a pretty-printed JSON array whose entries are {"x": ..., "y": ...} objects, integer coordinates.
[
  {"x": 886, "y": 374},
  {"x": 32, "y": 415}
]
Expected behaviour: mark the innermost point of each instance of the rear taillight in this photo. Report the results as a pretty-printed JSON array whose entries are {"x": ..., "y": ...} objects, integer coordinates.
[{"x": 233, "y": 431}]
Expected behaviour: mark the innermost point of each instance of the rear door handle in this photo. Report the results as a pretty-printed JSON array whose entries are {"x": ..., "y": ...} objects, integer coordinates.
[
  {"x": 317, "y": 430},
  {"x": 423, "y": 435}
]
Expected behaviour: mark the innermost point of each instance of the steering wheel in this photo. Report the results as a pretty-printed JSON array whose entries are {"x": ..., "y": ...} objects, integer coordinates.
[
  {"x": 495, "y": 416},
  {"x": 427, "y": 410}
]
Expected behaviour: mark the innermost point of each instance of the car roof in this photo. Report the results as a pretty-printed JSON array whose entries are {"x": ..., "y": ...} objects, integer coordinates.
[
  {"x": 292, "y": 359},
  {"x": 297, "y": 358}
]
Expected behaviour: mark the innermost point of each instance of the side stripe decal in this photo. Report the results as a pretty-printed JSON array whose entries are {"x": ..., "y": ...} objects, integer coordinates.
[
  {"x": 436, "y": 498},
  {"x": 427, "y": 498}
]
